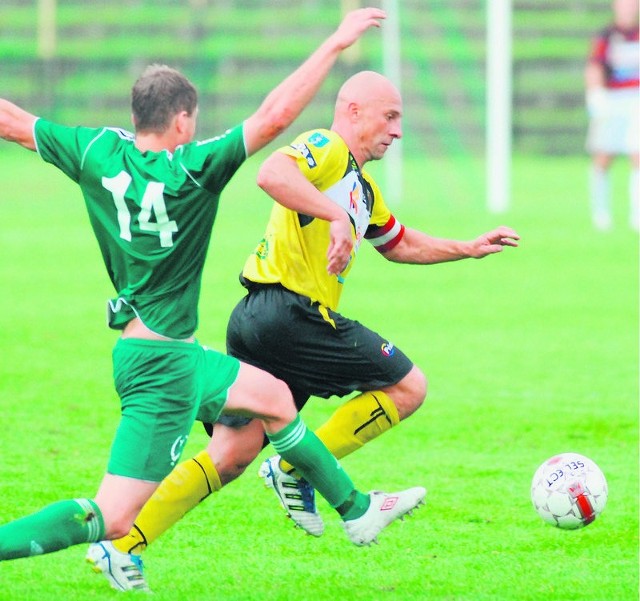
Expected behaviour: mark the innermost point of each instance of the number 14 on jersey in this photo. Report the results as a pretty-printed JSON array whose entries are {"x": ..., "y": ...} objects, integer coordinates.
[{"x": 152, "y": 203}]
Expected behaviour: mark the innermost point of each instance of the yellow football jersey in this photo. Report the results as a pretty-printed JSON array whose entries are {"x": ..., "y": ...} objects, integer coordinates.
[{"x": 293, "y": 252}]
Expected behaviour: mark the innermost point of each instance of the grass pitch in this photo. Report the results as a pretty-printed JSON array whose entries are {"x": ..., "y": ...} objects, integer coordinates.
[{"x": 529, "y": 353}]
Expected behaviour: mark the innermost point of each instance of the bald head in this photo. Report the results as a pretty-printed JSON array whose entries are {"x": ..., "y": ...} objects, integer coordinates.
[
  {"x": 368, "y": 115},
  {"x": 365, "y": 87}
]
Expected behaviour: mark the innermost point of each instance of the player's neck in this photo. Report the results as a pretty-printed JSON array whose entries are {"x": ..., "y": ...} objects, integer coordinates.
[
  {"x": 351, "y": 143},
  {"x": 153, "y": 142}
]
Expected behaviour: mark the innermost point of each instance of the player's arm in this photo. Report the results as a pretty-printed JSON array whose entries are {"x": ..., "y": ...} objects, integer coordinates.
[
  {"x": 281, "y": 179},
  {"x": 595, "y": 88},
  {"x": 420, "y": 248},
  {"x": 595, "y": 79},
  {"x": 594, "y": 75},
  {"x": 16, "y": 125},
  {"x": 287, "y": 100}
]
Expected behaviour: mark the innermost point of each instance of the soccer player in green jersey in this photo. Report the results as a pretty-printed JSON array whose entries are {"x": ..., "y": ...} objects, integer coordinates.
[
  {"x": 326, "y": 205},
  {"x": 152, "y": 198}
]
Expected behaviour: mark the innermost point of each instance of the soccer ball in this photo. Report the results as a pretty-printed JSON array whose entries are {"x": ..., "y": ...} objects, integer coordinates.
[{"x": 569, "y": 491}]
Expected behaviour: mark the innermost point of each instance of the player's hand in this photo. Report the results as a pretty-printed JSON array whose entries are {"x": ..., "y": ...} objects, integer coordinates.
[
  {"x": 494, "y": 242},
  {"x": 355, "y": 24},
  {"x": 340, "y": 244}
]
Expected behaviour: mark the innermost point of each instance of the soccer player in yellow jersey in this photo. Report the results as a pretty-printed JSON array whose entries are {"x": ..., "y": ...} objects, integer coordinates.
[{"x": 288, "y": 324}]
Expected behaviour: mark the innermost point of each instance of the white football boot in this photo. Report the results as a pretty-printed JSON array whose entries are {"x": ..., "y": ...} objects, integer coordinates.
[
  {"x": 297, "y": 497},
  {"x": 122, "y": 570},
  {"x": 384, "y": 509}
]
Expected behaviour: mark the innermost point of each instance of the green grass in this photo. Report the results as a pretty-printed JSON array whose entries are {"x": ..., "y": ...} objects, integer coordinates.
[{"x": 528, "y": 353}]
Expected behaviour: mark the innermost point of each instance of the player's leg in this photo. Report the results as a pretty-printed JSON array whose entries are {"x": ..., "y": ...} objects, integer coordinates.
[
  {"x": 322, "y": 353},
  {"x": 370, "y": 414},
  {"x": 122, "y": 499},
  {"x": 394, "y": 388},
  {"x": 234, "y": 443},
  {"x": 142, "y": 430},
  {"x": 67, "y": 523},
  {"x": 230, "y": 450},
  {"x": 268, "y": 399},
  {"x": 55, "y": 527},
  {"x": 355, "y": 423},
  {"x": 317, "y": 351},
  {"x": 160, "y": 395},
  {"x": 632, "y": 150},
  {"x": 160, "y": 392},
  {"x": 634, "y": 193},
  {"x": 190, "y": 482},
  {"x": 600, "y": 191}
]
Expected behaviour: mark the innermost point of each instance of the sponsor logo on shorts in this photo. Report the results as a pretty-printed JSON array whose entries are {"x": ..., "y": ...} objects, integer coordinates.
[
  {"x": 388, "y": 349},
  {"x": 176, "y": 448}
]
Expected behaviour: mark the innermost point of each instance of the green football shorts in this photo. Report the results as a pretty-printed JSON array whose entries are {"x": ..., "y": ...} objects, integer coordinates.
[{"x": 164, "y": 387}]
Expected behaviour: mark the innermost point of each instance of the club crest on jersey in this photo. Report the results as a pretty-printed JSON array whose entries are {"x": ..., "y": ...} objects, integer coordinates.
[
  {"x": 318, "y": 140},
  {"x": 262, "y": 250},
  {"x": 303, "y": 149},
  {"x": 388, "y": 349}
]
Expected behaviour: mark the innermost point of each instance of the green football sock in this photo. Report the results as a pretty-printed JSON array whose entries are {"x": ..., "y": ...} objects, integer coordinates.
[
  {"x": 54, "y": 527},
  {"x": 303, "y": 449},
  {"x": 354, "y": 506}
]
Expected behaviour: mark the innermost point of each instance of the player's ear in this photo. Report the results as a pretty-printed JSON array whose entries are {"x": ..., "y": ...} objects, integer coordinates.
[
  {"x": 353, "y": 110},
  {"x": 182, "y": 122}
]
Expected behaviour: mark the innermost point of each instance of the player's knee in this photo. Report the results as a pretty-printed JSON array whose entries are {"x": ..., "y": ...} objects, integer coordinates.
[
  {"x": 231, "y": 467},
  {"x": 281, "y": 407},
  {"x": 234, "y": 446},
  {"x": 418, "y": 387},
  {"x": 409, "y": 394}
]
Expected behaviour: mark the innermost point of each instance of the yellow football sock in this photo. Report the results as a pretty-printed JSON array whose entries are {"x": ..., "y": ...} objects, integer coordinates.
[
  {"x": 355, "y": 423},
  {"x": 189, "y": 483}
]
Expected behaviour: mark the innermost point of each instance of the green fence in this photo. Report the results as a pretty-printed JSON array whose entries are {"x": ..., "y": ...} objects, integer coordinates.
[{"x": 235, "y": 51}]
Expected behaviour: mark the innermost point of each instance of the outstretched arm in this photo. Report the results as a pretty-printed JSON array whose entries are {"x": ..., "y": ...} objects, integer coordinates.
[
  {"x": 16, "y": 125},
  {"x": 287, "y": 100},
  {"x": 418, "y": 247}
]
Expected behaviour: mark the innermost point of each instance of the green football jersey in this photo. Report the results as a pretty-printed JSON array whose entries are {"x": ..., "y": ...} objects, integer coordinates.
[{"x": 151, "y": 212}]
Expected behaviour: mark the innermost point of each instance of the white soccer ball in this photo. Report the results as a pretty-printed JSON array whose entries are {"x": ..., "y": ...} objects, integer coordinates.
[{"x": 569, "y": 491}]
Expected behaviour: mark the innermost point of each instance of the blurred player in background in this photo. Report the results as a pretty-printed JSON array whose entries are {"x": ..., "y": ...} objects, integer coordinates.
[
  {"x": 613, "y": 102},
  {"x": 326, "y": 206},
  {"x": 152, "y": 199}
]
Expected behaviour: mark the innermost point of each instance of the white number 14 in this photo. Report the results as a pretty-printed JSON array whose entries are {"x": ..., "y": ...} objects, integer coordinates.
[{"x": 152, "y": 203}]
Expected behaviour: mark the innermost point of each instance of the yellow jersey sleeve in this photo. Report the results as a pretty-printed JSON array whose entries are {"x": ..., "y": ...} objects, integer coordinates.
[{"x": 293, "y": 252}]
